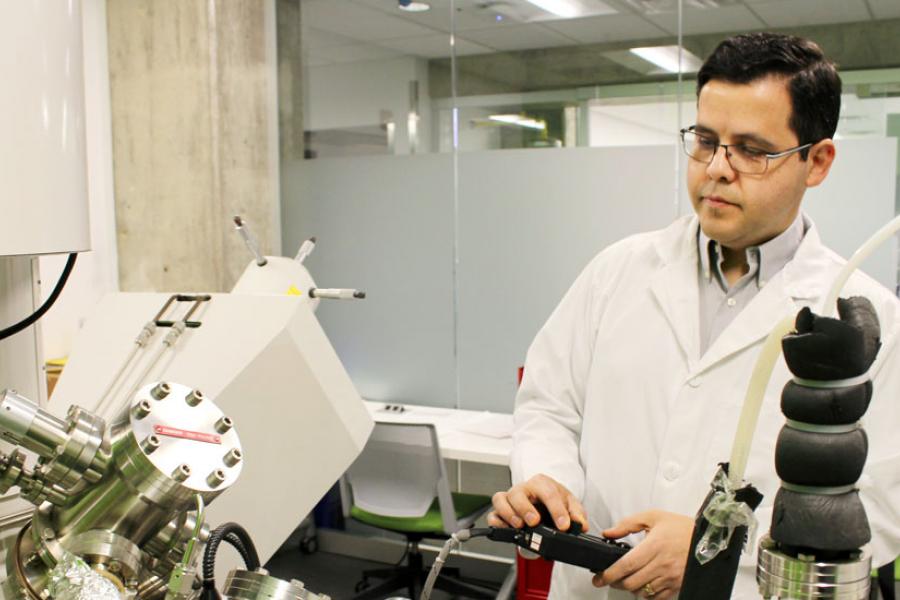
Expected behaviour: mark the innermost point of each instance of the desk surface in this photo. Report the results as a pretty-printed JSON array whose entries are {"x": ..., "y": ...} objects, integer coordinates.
[{"x": 470, "y": 435}]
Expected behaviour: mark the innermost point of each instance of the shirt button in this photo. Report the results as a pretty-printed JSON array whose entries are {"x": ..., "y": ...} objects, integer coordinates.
[
  {"x": 695, "y": 382},
  {"x": 671, "y": 471},
  {"x": 731, "y": 302}
]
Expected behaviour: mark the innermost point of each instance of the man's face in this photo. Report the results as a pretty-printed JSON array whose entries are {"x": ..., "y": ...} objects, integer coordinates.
[{"x": 736, "y": 209}]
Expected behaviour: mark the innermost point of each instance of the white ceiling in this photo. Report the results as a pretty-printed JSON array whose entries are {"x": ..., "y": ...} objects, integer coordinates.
[{"x": 338, "y": 31}]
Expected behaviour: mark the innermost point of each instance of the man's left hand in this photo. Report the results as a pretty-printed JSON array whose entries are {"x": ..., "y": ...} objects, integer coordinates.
[{"x": 655, "y": 567}]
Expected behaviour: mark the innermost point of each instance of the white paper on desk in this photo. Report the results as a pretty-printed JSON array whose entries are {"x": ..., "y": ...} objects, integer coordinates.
[{"x": 494, "y": 425}]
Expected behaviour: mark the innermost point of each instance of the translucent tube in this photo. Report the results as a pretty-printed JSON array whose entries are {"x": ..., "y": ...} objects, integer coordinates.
[
  {"x": 880, "y": 236},
  {"x": 762, "y": 371},
  {"x": 753, "y": 400}
]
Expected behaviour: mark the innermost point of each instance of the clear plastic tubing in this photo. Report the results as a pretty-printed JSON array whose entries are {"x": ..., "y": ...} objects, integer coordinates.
[{"x": 771, "y": 350}]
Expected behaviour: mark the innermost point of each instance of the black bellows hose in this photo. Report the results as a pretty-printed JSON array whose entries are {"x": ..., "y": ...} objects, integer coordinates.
[
  {"x": 237, "y": 537},
  {"x": 31, "y": 320}
]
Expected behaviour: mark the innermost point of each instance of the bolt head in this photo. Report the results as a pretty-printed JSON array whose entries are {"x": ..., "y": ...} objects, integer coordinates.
[{"x": 160, "y": 390}]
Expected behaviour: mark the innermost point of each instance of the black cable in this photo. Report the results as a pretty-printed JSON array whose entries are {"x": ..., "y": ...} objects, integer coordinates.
[
  {"x": 237, "y": 537},
  {"x": 14, "y": 329}
]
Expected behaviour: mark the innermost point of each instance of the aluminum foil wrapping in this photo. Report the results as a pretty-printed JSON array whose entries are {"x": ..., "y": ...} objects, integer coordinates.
[{"x": 73, "y": 579}]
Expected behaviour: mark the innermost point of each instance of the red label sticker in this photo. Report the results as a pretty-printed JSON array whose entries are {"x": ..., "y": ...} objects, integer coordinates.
[{"x": 197, "y": 436}]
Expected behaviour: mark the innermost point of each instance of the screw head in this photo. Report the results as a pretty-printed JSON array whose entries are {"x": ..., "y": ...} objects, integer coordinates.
[
  {"x": 150, "y": 444},
  {"x": 224, "y": 424},
  {"x": 141, "y": 409},
  {"x": 161, "y": 390},
  {"x": 194, "y": 398},
  {"x": 216, "y": 478},
  {"x": 181, "y": 472},
  {"x": 233, "y": 457}
]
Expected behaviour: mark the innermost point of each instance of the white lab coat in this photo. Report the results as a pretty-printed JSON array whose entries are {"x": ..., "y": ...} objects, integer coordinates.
[{"x": 618, "y": 404}]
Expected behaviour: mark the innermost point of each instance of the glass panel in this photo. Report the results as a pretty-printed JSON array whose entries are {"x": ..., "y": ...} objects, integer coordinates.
[
  {"x": 584, "y": 98},
  {"x": 374, "y": 194}
]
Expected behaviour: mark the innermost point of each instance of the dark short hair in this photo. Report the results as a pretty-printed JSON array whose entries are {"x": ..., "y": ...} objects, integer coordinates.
[{"x": 813, "y": 82}]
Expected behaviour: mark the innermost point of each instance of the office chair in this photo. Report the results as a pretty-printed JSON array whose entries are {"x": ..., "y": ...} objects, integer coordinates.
[{"x": 399, "y": 483}]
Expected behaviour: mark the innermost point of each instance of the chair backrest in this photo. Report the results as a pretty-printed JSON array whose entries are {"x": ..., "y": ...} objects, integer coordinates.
[{"x": 400, "y": 472}]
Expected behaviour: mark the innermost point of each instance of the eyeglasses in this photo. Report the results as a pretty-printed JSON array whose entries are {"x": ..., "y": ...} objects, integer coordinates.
[{"x": 742, "y": 158}]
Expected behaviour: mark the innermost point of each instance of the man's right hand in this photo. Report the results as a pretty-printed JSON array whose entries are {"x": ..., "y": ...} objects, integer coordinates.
[{"x": 516, "y": 506}]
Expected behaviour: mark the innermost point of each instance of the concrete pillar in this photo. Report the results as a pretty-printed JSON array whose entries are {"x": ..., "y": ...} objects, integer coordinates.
[
  {"x": 290, "y": 80},
  {"x": 193, "y": 101}
]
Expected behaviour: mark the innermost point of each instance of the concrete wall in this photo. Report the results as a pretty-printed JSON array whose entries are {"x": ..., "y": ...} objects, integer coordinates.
[{"x": 194, "y": 137}]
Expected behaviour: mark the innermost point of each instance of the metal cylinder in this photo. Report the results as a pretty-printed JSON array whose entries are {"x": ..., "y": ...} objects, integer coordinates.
[
  {"x": 259, "y": 585},
  {"x": 24, "y": 423},
  {"x": 800, "y": 578}
]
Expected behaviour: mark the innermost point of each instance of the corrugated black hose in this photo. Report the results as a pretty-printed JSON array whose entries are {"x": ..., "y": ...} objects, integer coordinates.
[{"x": 237, "y": 537}]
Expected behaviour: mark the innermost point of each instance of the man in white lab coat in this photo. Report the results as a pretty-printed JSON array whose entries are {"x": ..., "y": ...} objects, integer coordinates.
[{"x": 633, "y": 388}]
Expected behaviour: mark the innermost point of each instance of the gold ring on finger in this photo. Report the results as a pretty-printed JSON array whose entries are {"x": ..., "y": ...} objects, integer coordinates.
[{"x": 648, "y": 589}]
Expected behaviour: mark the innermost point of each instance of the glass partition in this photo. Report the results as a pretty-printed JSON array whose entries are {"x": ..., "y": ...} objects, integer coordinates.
[{"x": 462, "y": 164}]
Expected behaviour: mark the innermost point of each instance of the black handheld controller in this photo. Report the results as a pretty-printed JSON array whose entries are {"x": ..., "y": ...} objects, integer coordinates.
[{"x": 571, "y": 547}]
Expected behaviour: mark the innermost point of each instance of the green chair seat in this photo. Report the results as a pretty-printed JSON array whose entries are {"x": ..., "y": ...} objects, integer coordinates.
[{"x": 430, "y": 522}]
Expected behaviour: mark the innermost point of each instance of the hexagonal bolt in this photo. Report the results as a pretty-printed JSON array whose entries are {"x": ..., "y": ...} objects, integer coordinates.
[
  {"x": 150, "y": 444},
  {"x": 261, "y": 571},
  {"x": 141, "y": 409},
  {"x": 216, "y": 478},
  {"x": 48, "y": 534},
  {"x": 298, "y": 583},
  {"x": 233, "y": 457},
  {"x": 160, "y": 390},
  {"x": 181, "y": 472},
  {"x": 224, "y": 424},
  {"x": 194, "y": 398}
]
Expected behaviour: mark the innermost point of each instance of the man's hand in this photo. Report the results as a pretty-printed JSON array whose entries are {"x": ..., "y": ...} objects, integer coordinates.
[
  {"x": 515, "y": 507},
  {"x": 655, "y": 567}
]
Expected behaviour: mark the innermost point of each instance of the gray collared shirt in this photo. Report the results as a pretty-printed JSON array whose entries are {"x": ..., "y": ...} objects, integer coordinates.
[{"x": 719, "y": 303}]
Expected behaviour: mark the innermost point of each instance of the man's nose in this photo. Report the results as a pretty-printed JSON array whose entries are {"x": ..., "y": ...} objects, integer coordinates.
[{"x": 719, "y": 167}]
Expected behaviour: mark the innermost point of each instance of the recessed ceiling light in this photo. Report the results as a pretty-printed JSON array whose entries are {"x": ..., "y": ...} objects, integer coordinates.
[
  {"x": 561, "y": 8},
  {"x": 520, "y": 121},
  {"x": 667, "y": 58},
  {"x": 414, "y": 6}
]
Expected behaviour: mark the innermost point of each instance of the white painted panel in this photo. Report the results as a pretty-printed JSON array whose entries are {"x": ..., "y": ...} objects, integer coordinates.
[
  {"x": 43, "y": 179},
  {"x": 265, "y": 361}
]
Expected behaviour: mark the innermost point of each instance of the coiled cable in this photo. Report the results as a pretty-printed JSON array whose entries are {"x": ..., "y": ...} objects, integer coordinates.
[{"x": 237, "y": 537}]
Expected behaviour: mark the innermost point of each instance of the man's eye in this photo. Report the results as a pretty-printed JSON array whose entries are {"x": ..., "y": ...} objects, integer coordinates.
[
  {"x": 750, "y": 151},
  {"x": 706, "y": 143}
]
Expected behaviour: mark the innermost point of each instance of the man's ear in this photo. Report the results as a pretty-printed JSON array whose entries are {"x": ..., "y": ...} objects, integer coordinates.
[{"x": 821, "y": 155}]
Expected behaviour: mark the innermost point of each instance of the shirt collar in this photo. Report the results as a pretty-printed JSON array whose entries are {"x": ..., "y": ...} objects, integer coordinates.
[{"x": 772, "y": 256}]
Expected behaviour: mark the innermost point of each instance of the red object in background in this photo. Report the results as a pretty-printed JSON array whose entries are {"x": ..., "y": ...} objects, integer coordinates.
[{"x": 532, "y": 576}]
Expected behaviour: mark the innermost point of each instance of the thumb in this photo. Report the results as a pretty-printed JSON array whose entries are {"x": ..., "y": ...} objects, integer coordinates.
[{"x": 631, "y": 524}]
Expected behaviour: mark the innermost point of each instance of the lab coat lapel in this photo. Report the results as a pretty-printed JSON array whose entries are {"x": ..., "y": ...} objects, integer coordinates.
[
  {"x": 675, "y": 287},
  {"x": 791, "y": 288},
  {"x": 754, "y": 323}
]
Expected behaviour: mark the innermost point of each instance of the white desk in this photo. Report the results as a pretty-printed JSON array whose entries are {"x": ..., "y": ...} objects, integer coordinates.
[{"x": 470, "y": 435}]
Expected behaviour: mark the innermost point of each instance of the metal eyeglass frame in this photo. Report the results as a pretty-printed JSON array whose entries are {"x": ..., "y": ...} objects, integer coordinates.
[{"x": 769, "y": 156}]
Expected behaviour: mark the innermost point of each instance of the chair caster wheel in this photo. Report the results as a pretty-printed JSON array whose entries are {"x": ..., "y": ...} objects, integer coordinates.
[{"x": 309, "y": 546}]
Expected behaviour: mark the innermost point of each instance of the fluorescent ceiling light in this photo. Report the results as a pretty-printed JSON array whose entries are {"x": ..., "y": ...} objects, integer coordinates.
[
  {"x": 415, "y": 6},
  {"x": 566, "y": 9},
  {"x": 666, "y": 58},
  {"x": 519, "y": 120}
]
